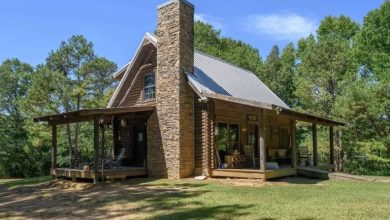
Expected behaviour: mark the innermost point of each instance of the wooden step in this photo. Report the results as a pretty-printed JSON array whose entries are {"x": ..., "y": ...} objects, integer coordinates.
[{"x": 313, "y": 172}]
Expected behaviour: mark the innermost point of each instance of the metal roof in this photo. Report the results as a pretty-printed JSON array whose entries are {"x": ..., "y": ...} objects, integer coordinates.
[{"x": 215, "y": 76}]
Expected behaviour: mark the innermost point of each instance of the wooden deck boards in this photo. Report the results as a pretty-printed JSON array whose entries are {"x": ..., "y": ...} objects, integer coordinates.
[{"x": 253, "y": 174}]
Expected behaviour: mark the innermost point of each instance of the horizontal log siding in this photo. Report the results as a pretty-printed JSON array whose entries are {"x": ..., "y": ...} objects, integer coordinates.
[
  {"x": 199, "y": 135},
  {"x": 237, "y": 113},
  {"x": 203, "y": 137},
  {"x": 273, "y": 122}
]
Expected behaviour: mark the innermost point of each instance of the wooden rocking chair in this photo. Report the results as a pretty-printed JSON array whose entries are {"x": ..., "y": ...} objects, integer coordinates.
[
  {"x": 250, "y": 156},
  {"x": 118, "y": 161}
]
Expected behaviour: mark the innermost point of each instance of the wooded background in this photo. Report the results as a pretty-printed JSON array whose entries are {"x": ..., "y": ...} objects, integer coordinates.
[{"x": 342, "y": 73}]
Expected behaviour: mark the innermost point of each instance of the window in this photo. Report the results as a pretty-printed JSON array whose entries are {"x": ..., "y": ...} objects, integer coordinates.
[
  {"x": 222, "y": 136},
  {"x": 149, "y": 87},
  {"x": 234, "y": 132},
  {"x": 227, "y": 136}
]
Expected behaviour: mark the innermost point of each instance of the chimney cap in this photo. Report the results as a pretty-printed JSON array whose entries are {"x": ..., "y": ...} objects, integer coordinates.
[{"x": 175, "y": 1}]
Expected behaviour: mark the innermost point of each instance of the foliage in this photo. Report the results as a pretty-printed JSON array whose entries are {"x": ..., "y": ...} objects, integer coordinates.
[
  {"x": 81, "y": 80},
  {"x": 368, "y": 165},
  {"x": 366, "y": 104},
  {"x": 279, "y": 73},
  {"x": 209, "y": 40},
  {"x": 78, "y": 79},
  {"x": 17, "y": 156}
]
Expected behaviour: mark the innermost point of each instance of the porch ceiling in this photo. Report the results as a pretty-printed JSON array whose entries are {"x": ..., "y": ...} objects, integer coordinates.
[{"x": 90, "y": 114}]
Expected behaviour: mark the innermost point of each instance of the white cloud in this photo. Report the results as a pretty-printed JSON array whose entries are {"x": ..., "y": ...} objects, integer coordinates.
[
  {"x": 200, "y": 17},
  {"x": 281, "y": 26},
  {"x": 215, "y": 22}
]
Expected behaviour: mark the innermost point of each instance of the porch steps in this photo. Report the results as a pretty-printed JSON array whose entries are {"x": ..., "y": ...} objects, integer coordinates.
[{"x": 313, "y": 172}]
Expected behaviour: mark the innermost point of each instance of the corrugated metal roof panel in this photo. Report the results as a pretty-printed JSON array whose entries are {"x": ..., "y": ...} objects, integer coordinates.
[{"x": 213, "y": 75}]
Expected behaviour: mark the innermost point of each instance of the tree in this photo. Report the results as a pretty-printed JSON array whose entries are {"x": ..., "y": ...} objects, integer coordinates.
[
  {"x": 287, "y": 75},
  {"x": 16, "y": 157},
  {"x": 99, "y": 84},
  {"x": 324, "y": 71},
  {"x": 79, "y": 79},
  {"x": 340, "y": 27},
  {"x": 325, "y": 65},
  {"x": 367, "y": 103},
  {"x": 68, "y": 60},
  {"x": 210, "y": 41},
  {"x": 279, "y": 71},
  {"x": 272, "y": 69}
]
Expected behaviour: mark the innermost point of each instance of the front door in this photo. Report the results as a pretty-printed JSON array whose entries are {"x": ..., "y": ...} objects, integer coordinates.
[
  {"x": 253, "y": 137},
  {"x": 139, "y": 144},
  {"x": 130, "y": 135}
]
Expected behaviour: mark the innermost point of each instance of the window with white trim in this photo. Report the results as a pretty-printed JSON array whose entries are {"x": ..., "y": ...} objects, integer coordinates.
[{"x": 149, "y": 86}]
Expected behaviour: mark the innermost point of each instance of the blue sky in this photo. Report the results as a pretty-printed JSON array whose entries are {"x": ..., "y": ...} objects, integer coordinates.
[{"x": 30, "y": 29}]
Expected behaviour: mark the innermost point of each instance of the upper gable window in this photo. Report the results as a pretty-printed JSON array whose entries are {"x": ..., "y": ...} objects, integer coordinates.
[{"x": 149, "y": 86}]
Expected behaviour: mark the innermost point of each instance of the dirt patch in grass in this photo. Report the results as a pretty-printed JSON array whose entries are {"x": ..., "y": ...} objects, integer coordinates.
[{"x": 63, "y": 199}]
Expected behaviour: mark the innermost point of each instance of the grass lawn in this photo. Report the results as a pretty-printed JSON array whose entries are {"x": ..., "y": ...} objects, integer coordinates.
[{"x": 290, "y": 198}]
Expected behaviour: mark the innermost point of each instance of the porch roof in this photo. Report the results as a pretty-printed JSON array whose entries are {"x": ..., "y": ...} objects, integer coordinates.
[
  {"x": 90, "y": 114},
  {"x": 307, "y": 117},
  {"x": 293, "y": 114}
]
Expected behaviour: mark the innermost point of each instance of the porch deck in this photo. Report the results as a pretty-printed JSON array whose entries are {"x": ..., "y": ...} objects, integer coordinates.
[
  {"x": 254, "y": 173},
  {"x": 120, "y": 173}
]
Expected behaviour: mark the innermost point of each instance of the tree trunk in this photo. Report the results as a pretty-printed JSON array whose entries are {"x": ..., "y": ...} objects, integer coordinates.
[{"x": 339, "y": 151}]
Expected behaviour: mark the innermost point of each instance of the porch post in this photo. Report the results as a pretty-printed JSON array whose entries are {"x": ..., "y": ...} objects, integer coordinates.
[
  {"x": 293, "y": 143},
  {"x": 96, "y": 147},
  {"x": 331, "y": 145},
  {"x": 103, "y": 140},
  {"x": 315, "y": 151},
  {"x": 262, "y": 144},
  {"x": 53, "y": 148},
  {"x": 340, "y": 152}
]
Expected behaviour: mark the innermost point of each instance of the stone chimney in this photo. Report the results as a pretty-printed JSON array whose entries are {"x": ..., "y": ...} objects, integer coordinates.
[{"x": 174, "y": 97}]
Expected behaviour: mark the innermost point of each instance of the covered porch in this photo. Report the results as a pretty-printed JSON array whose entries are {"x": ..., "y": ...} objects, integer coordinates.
[
  {"x": 266, "y": 146},
  {"x": 124, "y": 157}
]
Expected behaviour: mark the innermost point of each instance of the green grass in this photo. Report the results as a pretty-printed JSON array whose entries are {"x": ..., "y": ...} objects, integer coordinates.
[
  {"x": 291, "y": 198},
  {"x": 304, "y": 199},
  {"x": 23, "y": 182}
]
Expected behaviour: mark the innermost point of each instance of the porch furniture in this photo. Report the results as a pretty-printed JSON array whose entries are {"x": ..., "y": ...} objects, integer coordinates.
[
  {"x": 304, "y": 156},
  {"x": 279, "y": 155},
  {"x": 118, "y": 161},
  {"x": 250, "y": 156},
  {"x": 272, "y": 165},
  {"x": 235, "y": 161}
]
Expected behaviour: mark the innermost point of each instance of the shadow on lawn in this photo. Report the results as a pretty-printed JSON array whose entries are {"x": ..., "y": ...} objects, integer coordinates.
[
  {"x": 297, "y": 180},
  {"x": 131, "y": 199}
]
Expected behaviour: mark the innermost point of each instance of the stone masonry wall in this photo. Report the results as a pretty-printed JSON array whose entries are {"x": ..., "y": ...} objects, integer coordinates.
[{"x": 174, "y": 97}]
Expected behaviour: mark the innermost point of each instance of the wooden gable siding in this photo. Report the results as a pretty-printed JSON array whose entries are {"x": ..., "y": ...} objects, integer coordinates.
[
  {"x": 238, "y": 114},
  {"x": 134, "y": 95}
]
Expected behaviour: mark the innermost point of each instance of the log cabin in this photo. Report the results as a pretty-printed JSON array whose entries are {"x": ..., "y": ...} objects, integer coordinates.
[{"x": 178, "y": 112}]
